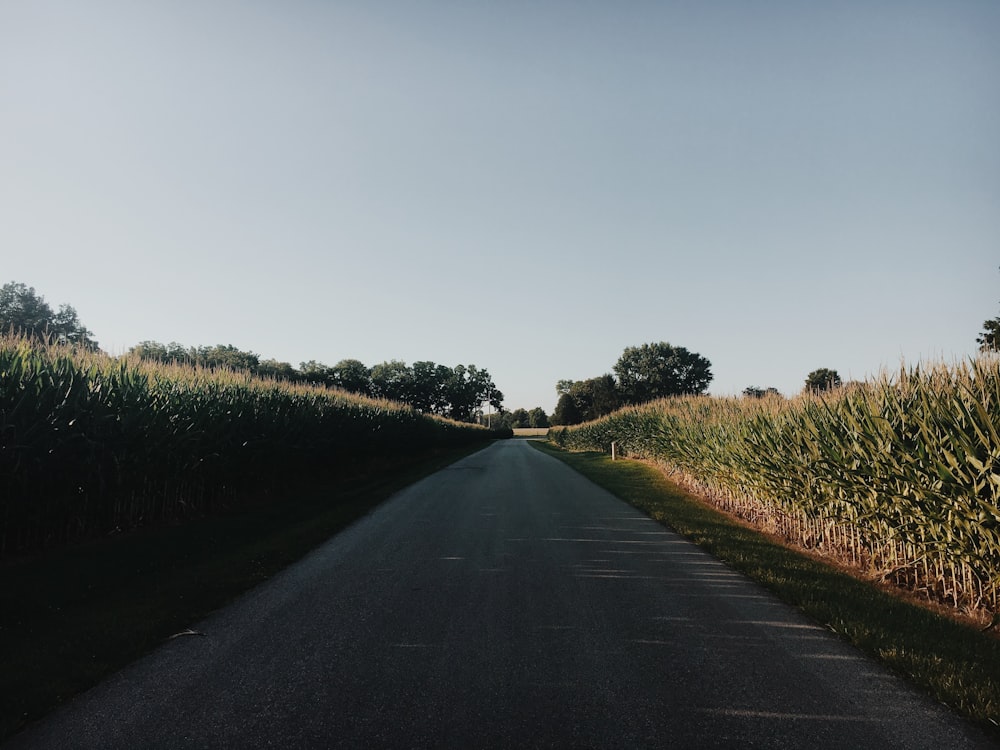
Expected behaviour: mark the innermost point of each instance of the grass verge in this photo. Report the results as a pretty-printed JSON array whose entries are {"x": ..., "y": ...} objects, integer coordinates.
[
  {"x": 71, "y": 618},
  {"x": 956, "y": 663}
]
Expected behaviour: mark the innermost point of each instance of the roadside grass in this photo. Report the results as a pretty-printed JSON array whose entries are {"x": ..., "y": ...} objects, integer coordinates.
[
  {"x": 955, "y": 662},
  {"x": 73, "y": 617}
]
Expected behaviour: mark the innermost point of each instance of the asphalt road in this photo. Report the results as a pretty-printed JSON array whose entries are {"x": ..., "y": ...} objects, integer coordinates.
[{"x": 505, "y": 602}]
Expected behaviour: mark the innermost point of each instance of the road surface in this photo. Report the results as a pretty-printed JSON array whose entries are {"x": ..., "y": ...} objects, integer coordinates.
[{"x": 504, "y": 602}]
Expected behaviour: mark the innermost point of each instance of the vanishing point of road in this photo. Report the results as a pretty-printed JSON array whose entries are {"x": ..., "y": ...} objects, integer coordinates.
[{"x": 505, "y": 602}]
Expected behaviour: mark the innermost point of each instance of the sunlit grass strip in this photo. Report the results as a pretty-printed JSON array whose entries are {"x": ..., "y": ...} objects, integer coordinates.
[
  {"x": 900, "y": 476},
  {"x": 90, "y": 444}
]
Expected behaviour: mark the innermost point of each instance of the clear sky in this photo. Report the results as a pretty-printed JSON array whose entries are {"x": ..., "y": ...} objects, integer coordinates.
[{"x": 530, "y": 187}]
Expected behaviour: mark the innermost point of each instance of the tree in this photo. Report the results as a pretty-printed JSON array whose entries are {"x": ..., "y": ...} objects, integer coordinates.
[
  {"x": 566, "y": 411},
  {"x": 166, "y": 353},
  {"x": 538, "y": 418},
  {"x": 502, "y": 420},
  {"x": 272, "y": 368},
  {"x": 351, "y": 375},
  {"x": 466, "y": 391},
  {"x": 989, "y": 339},
  {"x": 658, "y": 370},
  {"x": 595, "y": 397},
  {"x": 823, "y": 379},
  {"x": 153, "y": 351},
  {"x": 315, "y": 372},
  {"x": 519, "y": 418},
  {"x": 68, "y": 329},
  {"x": 24, "y": 311},
  {"x": 457, "y": 392},
  {"x": 754, "y": 391},
  {"x": 392, "y": 380},
  {"x": 429, "y": 382},
  {"x": 564, "y": 386},
  {"x": 225, "y": 356}
]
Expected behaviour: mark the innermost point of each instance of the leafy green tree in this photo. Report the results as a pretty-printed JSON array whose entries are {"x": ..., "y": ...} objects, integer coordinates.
[
  {"x": 466, "y": 391},
  {"x": 272, "y": 368},
  {"x": 24, "y": 311},
  {"x": 225, "y": 356},
  {"x": 595, "y": 397},
  {"x": 564, "y": 386},
  {"x": 754, "y": 391},
  {"x": 428, "y": 387},
  {"x": 989, "y": 339},
  {"x": 502, "y": 420},
  {"x": 458, "y": 393},
  {"x": 538, "y": 418},
  {"x": 351, "y": 375},
  {"x": 566, "y": 411},
  {"x": 153, "y": 351},
  {"x": 315, "y": 372},
  {"x": 823, "y": 379},
  {"x": 519, "y": 418},
  {"x": 392, "y": 380},
  {"x": 658, "y": 370}
]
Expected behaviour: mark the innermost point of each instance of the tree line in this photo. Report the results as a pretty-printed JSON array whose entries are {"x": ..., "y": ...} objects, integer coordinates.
[
  {"x": 641, "y": 374},
  {"x": 518, "y": 418},
  {"x": 457, "y": 392}
]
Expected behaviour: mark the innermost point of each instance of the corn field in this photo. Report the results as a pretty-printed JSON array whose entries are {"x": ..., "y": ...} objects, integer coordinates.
[
  {"x": 899, "y": 476},
  {"x": 91, "y": 445}
]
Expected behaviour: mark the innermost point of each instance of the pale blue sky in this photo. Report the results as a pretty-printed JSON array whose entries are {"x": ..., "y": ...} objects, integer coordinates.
[{"x": 526, "y": 186}]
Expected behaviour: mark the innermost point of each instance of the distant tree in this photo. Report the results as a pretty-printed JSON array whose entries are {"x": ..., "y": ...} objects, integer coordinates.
[
  {"x": 467, "y": 390},
  {"x": 564, "y": 386},
  {"x": 989, "y": 339},
  {"x": 315, "y": 372},
  {"x": 519, "y": 418},
  {"x": 225, "y": 356},
  {"x": 351, "y": 375},
  {"x": 272, "y": 368},
  {"x": 502, "y": 420},
  {"x": 823, "y": 379},
  {"x": 68, "y": 329},
  {"x": 658, "y": 370},
  {"x": 538, "y": 418},
  {"x": 754, "y": 391},
  {"x": 566, "y": 411},
  {"x": 24, "y": 311},
  {"x": 392, "y": 380},
  {"x": 153, "y": 351},
  {"x": 595, "y": 397},
  {"x": 428, "y": 387},
  {"x": 457, "y": 392}
]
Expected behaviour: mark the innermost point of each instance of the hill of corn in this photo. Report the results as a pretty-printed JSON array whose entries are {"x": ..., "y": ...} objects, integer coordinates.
[{"x": 92, "y": 445}]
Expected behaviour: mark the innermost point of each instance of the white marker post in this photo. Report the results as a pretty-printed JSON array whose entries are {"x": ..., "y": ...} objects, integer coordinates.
[{"x": 614, "y": 446}]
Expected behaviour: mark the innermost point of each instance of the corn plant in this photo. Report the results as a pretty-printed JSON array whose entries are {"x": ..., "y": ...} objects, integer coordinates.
[{"x": 90, "y": 444}]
